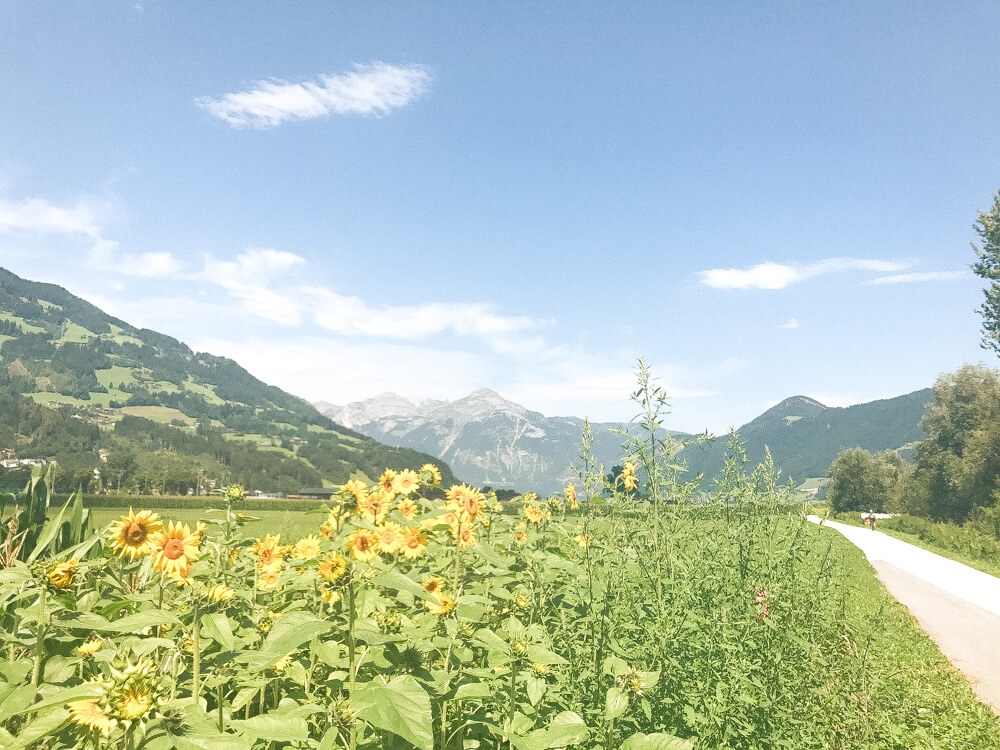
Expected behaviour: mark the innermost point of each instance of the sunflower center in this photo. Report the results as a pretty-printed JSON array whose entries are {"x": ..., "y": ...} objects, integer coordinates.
[
  {"x": 173, "y": 549},
  {"x": 136, "y": 533}
]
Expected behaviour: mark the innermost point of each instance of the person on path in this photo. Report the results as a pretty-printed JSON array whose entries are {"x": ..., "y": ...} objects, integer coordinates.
[{"x": 871, "y": 517}]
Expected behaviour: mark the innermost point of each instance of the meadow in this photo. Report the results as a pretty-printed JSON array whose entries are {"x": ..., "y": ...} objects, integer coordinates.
[{"x": 617, "y": 616}]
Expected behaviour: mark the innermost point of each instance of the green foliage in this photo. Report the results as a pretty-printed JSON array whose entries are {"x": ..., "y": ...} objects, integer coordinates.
[
  {"x": 958, "y": 465},
  {"x": 29, "y": 529},
  {"x": 865, "y": 482},
  {"x": 987, "y": 267}
]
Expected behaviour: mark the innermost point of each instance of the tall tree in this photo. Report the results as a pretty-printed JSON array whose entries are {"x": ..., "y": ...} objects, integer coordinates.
[{"x": 987, "y": 226}]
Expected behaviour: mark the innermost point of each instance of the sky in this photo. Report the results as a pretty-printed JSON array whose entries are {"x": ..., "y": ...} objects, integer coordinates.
[{"x": 761, "y": 200}]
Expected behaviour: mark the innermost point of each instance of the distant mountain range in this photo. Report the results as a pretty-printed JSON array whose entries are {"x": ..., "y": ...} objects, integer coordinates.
[
  {"x": 489, "y": 440},
  {"x": 148, "y": 412},
  {"x": 485, "y": 438}
]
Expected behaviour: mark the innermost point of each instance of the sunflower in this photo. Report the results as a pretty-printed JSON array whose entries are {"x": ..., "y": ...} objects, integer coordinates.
[
  {"x": 387, "y": 480},
  {"x": 268, "y": 577},
  {"x": 175, "y": 549},
  {"x": 406, "y": 482},
  {"x": 465, "y": 535},
  {"x": 533, "y": 513},
  {"x": 87, "y": 713},
  {"x": 442, "y": 606},
  {"x": 363, "y": 545},
  {"x": 90, "y": 647},
  {"x": 408, "y": 509},
  {"x": 571, "y": 496},
  {"x": 333, "y": 568},
  {"x": 268, "y": 552},
  {"x": 434, "y": 584},
  {"x": 134, "y": 701},
  {"x": 355, "y": 487},
  {"x": 583, "y": 540},
  {"x": 628, "y": 476},
  {"x": 414, "y": 543},
  {"x": 307, "y": 547},
  {"x": 182, "y": 577},
  {"x": 220, "y": 593},
  {"x": 434, "y": 471},
  {"x": 331, "y": 597},
  {"x": 283, "y": 662},
  {"x": 61, "y": 575},
  {"x": 133, "y": 534},
  {"x": 390, "y": 537}
]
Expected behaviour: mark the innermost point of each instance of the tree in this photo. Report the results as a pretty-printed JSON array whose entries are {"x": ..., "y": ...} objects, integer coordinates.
[
  {"x": 863, "y": 481},
  {"x": 958, "y": 465},
  {"x": 987, "y": 226}
]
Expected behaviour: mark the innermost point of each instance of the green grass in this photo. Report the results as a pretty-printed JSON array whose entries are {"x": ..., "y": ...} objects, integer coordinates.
[
  {"x": 206, "y": 391},
  {"x": 119, "y": 336},
  {"x": 161, "y": 414},
  {"x": 915, "y": 696},
  {"x": 75, "y": 334},
  {"x": 57, "y": 398},
  {"x": 49, "y": 305},
  {"x": 25, "y": 325},
  {"x": 115, "y": 374}
]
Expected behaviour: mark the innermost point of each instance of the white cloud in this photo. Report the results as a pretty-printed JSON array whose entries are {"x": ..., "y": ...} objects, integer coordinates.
[
  {"x": 910, "y": 278},
  {"x": 374, "y": 89},
  {"x": 779, "y": 275},
  {"x": 790, "y": 323},
  {"x": 39, "y": 215},
  {"x": 149, "y": 265}
]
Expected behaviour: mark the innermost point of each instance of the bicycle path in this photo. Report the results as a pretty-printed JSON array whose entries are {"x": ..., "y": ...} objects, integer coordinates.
[{"x": 957, "y": 606}]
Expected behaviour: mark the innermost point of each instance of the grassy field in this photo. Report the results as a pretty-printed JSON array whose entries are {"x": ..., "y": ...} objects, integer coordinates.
[{"x": 291, "y": 524}]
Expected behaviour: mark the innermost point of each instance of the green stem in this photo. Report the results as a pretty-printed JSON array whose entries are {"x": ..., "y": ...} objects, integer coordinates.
[
  {"x": 36, "y": 669},
  {"x": 195, "y": 637},
  {"x": 220, "y": 698},
  {"x": 352, "y": 655}
]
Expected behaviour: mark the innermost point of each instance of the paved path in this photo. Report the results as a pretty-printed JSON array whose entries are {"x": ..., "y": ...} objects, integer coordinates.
[{"x": 958, "y": 606}]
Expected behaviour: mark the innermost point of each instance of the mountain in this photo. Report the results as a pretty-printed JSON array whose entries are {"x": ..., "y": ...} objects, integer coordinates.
[
  {"x": 490, "y": 440},
  {"x": 485, "y": 438},
  {"x": 148, "y": 412},
  {"x": 804, "y": 436}
]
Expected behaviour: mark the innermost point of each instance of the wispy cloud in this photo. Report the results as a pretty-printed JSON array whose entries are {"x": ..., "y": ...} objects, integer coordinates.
[
  {"x": 39, "y": 215},
  {"x": 790, "y": 323},
  {"x": 780, "y": 275},
  {"x": 912, "y": 278},
  {"x": 374, "y": 89}
]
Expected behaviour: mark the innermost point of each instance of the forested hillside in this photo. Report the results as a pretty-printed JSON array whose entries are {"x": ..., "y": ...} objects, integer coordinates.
[{"x": 93, "y": 392}]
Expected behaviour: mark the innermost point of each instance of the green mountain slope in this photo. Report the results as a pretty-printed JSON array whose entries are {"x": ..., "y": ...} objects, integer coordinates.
[
  {"x": 804, "y": 436},
  {"x": 149, "y": 413}
]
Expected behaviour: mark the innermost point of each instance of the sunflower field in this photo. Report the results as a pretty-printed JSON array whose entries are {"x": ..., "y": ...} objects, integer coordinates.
[{"x": 634, "y": 615}]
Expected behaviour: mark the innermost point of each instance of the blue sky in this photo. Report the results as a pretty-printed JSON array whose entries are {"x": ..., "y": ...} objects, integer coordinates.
[{"x": 432, "y": 197}]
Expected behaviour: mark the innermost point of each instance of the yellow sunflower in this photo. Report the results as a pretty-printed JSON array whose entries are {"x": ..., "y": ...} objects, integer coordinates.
[
  {"x": 175, "y": 549},
  {"x": 133, "y": 534},
  {"x": 434, "y": 471},
  {"x": 220, "y": 593},
  {"x": 90, "y": 647},
  {"x": 355, "y": 487},
  {"x": 268, "y": 551},
  {"x": 465, "y": 535},
  {"x": 629, "y": 480},
  {"x": 408, "y": 509},
  {"x": 442, "y": 606},
  {"x": 583, "y": 540},
  {"x": 434, "y": 584},
  {"x": 87, "y": 713},
  {"x": 414, "y": 543},
  {"x": 134, "y": 701},
  {"x": 363, "y": 545},
  {"x": 571, "y": 496},
  {"x": 533, "y": 513},
  {"x": 406, "y": 482},
  {"x": 387, "y": 480},
  {"x": 333, "y": 567},
  {"x": 283, "y": 662},
  {"x": 268, "y": 578},
  {"x": 61, "y": 575},
  {"x": 390, "y": 537},
  {"x": 307, "y": 547}
]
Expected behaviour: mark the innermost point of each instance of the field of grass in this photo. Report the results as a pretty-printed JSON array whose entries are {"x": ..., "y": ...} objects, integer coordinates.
[
  {"x": 25, "y": 325},
  {"x": 116, "y": 375},
  {"x": 161, "y": 414},
  {"x": 74, "y": 333},
  {"x": 208, "y": 392},
  {"x": 291, "y": 524}
]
